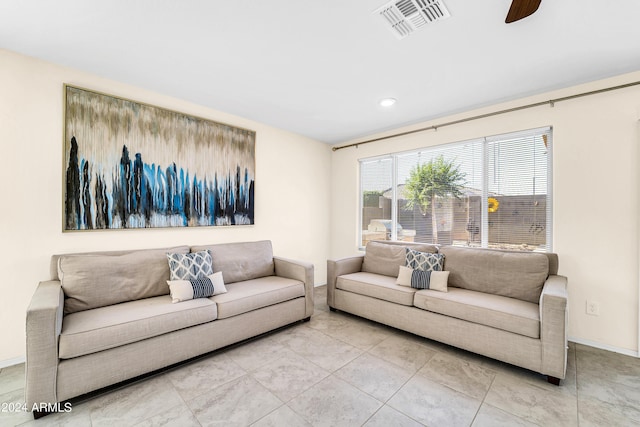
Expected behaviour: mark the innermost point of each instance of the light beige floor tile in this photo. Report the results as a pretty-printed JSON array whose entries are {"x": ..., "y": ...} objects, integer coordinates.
[
  {"x": 328, "y": 353},
  {"x": 254, "y": 354},
  {"x": 178, "y": 416},
  {"x": 489, "y": 416},
  {"x": 433, "y": 404},
  {"x": 325, "y": 321},
  {"x": 205, "y": 375},
  {"x": 282, "y": 417},
  {"x": 333, "y": 402},
  {"x": 459, "y": 353},
  {"x": 319, "y": 308},
  {"x": 422, "y": 341},
  {"x": 289, "y": 375},
  {"x": 360, "y": 334},
  {"x": 375, "y": 376},
  {"x": 609, "y": 366},
  {"x": 403, "y": 352},
  {"x": 595, "y": 413},
  {"x": 79, "y": 416},
  {"x": 387, "y": 417},
  {"x": 134, "y": 403},
  {"x": 624, "y": 398},
  {"x": 567, "y": 386},
  {"x": 461, "y": 375},
  {"x": 320, "y": 298},
  {"x": 238, "y": 403},
  {"x": 11, "y": 378},
  {"x": 13, "y": 410},
  {"x": 535, "y": 403}
]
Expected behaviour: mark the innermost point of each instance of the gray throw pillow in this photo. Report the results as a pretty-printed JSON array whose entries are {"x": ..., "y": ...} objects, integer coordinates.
[
  {"x": 424, "y": 261},
  {"x": 190, "y": 266}
]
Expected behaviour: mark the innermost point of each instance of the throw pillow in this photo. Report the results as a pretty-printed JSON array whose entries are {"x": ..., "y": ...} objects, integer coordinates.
[
  {"x": 439, "y": 281},
  {"x": 404, "y": 276},
  {"x": 424, "y": 261},
  {"x": 184, "y": 290},
  {"x": 420, "y": 279},
  {"x": 190, "y": 266}
]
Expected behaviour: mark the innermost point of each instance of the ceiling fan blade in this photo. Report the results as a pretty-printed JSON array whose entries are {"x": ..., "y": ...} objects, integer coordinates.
[{"x": 521, "y": 9}]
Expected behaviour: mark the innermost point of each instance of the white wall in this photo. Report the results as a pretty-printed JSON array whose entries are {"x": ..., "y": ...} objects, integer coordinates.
[
  {"x": 595, "y": 212},
  {"x": 292, "y": 192}
]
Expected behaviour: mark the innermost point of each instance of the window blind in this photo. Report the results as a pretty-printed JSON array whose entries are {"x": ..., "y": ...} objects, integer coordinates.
[
  {"x": 376, "y": 183},
  {"x": 488, "y": 192}
]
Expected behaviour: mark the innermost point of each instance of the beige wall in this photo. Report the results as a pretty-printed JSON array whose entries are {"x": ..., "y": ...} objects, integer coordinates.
[
  {"x": 595, "y": 162},
  {"x": 292, "y": 194}
]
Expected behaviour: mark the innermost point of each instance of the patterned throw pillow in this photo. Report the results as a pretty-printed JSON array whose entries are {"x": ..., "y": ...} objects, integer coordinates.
[
  {"x": 184, "y": 290},
  {"x": 424, "y": 261},
  {"x": 420, "y": 279},
  {"x": 190, "y": 266}
]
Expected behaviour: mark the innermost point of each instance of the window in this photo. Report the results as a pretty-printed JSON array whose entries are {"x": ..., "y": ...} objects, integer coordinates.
[
  {"x": 377, "y": 187},
  {"x": 491, "y": 192}
]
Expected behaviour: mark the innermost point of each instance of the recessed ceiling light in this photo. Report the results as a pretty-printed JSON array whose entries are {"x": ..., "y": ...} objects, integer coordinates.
[{"x": 387, "y": 102}]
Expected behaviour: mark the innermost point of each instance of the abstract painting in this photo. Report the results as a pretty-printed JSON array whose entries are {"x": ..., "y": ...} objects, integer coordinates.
[{"x": 131, "y": 165}]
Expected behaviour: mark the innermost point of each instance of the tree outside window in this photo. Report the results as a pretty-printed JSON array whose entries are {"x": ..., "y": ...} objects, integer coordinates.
[{"x": 430, "y": 182}]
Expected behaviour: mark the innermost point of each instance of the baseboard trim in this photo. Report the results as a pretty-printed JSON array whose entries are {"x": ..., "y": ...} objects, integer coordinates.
[
  {"x": 601, "y": 346},
  {"x": 11, "y": 362}
]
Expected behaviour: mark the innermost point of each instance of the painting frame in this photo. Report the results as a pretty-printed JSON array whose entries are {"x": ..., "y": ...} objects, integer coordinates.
[{"x": 132, "y": 165}]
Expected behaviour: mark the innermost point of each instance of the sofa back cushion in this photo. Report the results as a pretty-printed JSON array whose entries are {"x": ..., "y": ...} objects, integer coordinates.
[
  {"x": 98, "y": 279},
  {"x": 386, "y": 257},
  {"x": 553, "y": 263},
  {"x": 519, "y": 275},
  {"x": 241, "y": 261}
]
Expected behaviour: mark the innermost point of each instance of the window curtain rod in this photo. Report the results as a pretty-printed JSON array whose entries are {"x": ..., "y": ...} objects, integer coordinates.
[{"x": 550, "y": 102}]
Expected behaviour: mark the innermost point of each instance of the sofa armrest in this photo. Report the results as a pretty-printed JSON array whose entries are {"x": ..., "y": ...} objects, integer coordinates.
[
  {"x": 44, "y": 323},
  {"x": 553, "y": 326},
  {"x": 298, "y": 270},
  {"x": 338, "y": 267}
]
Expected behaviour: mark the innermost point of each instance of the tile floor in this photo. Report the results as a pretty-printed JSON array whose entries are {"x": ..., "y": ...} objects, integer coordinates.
[{"x": 339, "y": 370}]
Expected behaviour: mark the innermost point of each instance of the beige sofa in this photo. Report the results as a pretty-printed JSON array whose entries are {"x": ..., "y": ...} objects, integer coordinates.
[
  {"x": 110, "y": 317},
  {"x": 510, "y": 306}
]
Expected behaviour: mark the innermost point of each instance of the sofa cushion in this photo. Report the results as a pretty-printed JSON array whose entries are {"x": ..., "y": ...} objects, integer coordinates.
[
  {"x": 386, "y": 258},
  {"x": 242, "y": 297},
  {"x": 376, "y": 286},
  {"x": 499, "y": 312},
  {"x": 97, "y": 280},
  {"x": 102, "y": 328},
  {"x": 194, "y": 265},
  {"x": 518, "y": 275},
  {"x": 241, "y": 261},
  {"x": 184, "y": 290}
]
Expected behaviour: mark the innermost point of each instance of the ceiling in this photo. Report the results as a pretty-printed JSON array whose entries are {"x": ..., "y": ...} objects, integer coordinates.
[{"x": 319, "y": 68}]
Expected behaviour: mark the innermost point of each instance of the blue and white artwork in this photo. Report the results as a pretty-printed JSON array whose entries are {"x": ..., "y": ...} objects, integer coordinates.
[{"x": 133, "y": 165}]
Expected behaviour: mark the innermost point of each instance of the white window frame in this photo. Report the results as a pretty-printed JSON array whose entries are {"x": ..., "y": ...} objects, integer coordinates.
[{"x": 485, "y": 185}]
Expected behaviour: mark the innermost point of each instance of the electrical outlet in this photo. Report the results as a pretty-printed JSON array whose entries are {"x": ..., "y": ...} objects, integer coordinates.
[{"x": 593, "y": 308}]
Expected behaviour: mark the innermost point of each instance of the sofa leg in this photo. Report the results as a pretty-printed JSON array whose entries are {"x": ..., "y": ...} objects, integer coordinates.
[
  {"x": 306, "y": 319},
  {"x": 332, "y": 309},
  {"x": 553, "y": 380}
]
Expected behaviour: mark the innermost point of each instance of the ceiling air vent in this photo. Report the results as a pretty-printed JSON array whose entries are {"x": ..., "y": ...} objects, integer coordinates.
[{"x": 406, "y": 16}]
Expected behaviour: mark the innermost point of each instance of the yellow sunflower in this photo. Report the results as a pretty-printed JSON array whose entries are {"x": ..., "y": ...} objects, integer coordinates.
[{"x": 493, "y": 204}]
